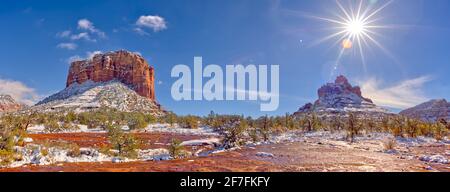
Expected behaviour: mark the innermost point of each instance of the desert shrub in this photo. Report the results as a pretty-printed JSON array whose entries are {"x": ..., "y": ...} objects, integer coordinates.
[
  {"x": 44, "y": 151},
  {"x": 40, "y": 119},
  {"x": 386, "y": 124},
  {"x": 439, "y": 131},
  {"x": 52, "y": 125},
  {"x": 412, "y": 128},
  {"x": 353, "y": 127},
  {"x": 371, "y": 125},
  {"x": 189, "y": 122},
  {"x": 73, "y": 150},
  {"x": 70, "y": 117},
  {"x": 336, "y": 123},
  {"x": 265, "y": 129},
  {"x": 175, "y": 148},
  {"x": 397, "y": 127},
  {"x": 6, "y": 157},
  {"x": 125, "y": 144},
  {"x": 12, "y": 132},
  {"x": 254, "y": 135},
  {"x": 311, "y": 122},
  {"x": 83, "y": 118},
  {"x": 150, "y": 119},
  {"x": 170, "y": 118},
  {"x": 137, "y": 121},
  {"x": 389, "y": 144},
  {"x": 234, "y": 133}
]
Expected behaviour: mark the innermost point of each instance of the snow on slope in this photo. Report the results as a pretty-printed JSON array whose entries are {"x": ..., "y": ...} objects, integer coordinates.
[
  {"x": 90, "y": 95},
  {"x": 429, "y": 111}
]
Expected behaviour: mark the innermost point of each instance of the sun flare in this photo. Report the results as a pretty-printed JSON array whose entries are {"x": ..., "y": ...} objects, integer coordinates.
[{"x": 356, "y": 26}]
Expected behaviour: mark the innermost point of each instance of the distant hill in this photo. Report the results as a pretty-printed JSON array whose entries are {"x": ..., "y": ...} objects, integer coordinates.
[{"x": 430, "y": 111}]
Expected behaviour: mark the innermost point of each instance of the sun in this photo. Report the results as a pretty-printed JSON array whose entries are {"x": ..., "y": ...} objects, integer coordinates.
[{"x": 355, "y": 27}]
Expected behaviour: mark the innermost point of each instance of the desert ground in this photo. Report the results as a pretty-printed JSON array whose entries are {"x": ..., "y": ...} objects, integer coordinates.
[{"x": 287, "y": 152}]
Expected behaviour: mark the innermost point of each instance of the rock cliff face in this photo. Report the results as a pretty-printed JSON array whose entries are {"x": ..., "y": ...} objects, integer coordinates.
[
  {"x": 126, "y": 67},
  {"x": 431, "y": 111},
  {"x": 121, "y": 80},
  {"x": 8, "y": 104},
  {"x": 340, "y": 97}
]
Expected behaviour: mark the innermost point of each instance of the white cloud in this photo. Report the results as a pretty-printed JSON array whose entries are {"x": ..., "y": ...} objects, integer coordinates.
[
  {"x": 87, "y": 31},
  {"x": 83, "y": 35},
  {"x": 68, "y": 46},
  {"x": 85, "y": 24},
  {"x": 64, "y": 34},
  {"x": 140, "y": 31},
  {"x": 405, "y": 94},
  {"x": 156, "y": 23},
  {"x": 19, "y": 91}
]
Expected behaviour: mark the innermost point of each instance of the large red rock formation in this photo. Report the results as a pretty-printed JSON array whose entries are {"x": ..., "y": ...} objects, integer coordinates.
[
  {"x": 129, "y": 68},
  {"x": 340, "y": 97},
  {"x": 341, "y": 86}
]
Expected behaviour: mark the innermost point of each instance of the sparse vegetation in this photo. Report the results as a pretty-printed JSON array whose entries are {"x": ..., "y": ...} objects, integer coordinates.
[
  {"x": 125, "y": 143},
  {"x": 389, "y": 144},
  {"x": 176, "y": 149}
]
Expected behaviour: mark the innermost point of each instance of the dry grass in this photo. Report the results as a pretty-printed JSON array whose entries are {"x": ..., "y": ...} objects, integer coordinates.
[{"x": 389, "y": 144}]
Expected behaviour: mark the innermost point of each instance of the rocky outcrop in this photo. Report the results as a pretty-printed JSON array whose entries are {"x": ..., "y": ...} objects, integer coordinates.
[
  {"x": 91, "y": 96},
  {"x": 126, "y": 67},
  {"x": 430, "y": 111},
  {"x": 8, "y": 104},
  {"x": 120, "y": 80},
  {"x": 340, "y": 97}
]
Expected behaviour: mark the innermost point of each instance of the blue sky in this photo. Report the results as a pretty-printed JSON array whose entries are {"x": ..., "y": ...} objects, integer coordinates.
[{"x": 413, "y": 66}]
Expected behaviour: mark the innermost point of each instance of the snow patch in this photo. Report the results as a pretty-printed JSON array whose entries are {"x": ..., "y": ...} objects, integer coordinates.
[{"x": 435, "y": 159}]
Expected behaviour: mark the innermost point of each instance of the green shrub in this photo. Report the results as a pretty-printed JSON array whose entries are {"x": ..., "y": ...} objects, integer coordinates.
[
  {"x": 176, "y": 149},
  {"x": 190, "y": 122},
  {"x": 124, "y": 143},
  {"x": 353, "y": 127},
  {"x": 137, "y": 121},
  {"x": 52, "y": 125}
]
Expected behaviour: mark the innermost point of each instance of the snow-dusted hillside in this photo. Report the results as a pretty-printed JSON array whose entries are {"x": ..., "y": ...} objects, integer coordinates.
[
  {"x": 429, "y": 111},
  {"x": 90, "y": 95}
]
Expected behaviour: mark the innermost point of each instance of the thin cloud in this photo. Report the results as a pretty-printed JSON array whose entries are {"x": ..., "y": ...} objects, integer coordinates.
[
  {"x": 64, "y": 34},
  {"x": 154, "y": 22},
  {"x": 405, "y": 94},
  {"x": 19, "y": 91},
  {"x": 68, "y": 46},
  {"x": 86, "y": 31},
  {"x": 140, "y": 31},
  {"x": 85, "y": 24},
  {"x": 83, "y": 35}
]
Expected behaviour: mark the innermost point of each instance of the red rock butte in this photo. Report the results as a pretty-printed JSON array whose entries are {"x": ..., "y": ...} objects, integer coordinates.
[{"x": 129, "y": 68}]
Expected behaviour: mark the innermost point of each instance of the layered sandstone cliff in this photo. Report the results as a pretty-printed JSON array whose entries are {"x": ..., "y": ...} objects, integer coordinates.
[
  {"x": 126, "y": 67},
  {"x": 121, "y": 80}
]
